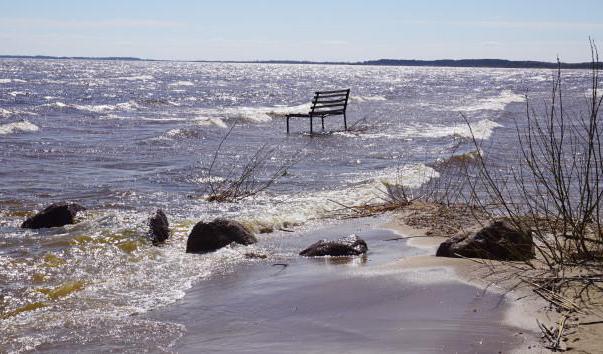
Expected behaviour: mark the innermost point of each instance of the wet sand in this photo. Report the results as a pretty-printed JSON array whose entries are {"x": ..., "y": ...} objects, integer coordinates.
[{"x": 342, "y": 305}]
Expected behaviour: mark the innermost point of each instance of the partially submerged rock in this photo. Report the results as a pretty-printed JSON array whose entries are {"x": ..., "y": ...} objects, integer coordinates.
[
  {"x": 497, "y": 241},
  {"x": 54, "y": 215},
  {"x": 351, "y": 245},
  {"x": 159, "y": 230},
  {"x": 211, "y": 236}
]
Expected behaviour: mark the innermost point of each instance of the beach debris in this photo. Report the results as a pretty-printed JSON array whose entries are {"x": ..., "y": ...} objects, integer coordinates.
[
  {"x": 211, "y": 236},
  {"x": 351, "y": 245},
  {"x": 54, "y": 215},
  {"x": 497, "y": 241},
  {"x": 159, "y": 230}
]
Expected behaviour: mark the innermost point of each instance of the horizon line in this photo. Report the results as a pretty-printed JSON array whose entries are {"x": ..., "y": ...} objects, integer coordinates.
[{"x": 445, "y": 62}]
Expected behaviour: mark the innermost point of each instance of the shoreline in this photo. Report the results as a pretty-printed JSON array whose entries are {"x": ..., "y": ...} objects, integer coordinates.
[
  {"x": 523, "y": 310},
  {"x": 318, "y": 304}
]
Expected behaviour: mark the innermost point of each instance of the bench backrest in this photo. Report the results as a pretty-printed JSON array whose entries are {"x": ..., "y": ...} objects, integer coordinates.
[{"x": 330, "y": 102}]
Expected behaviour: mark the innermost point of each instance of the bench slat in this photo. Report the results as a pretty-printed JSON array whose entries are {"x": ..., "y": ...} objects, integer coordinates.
[
  {"x": 315, "y": 107},
  {"x": 316, "y": 101},
  {"x": 333, "y": 91},
  {"x": 342, "y": 95},
  {"x": 327, "y": 113}
]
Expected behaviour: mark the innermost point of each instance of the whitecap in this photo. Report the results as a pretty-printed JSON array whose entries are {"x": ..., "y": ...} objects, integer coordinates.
[
  {"x": 57, "y": 104},
  {"x": 182, "y": 83},
  {"x": 8, "y": 113},
  {"x": 5, "y": 112},
  {"x": 210, "y": 121},
  {"x": 497, "y": 103},
  {"x": 8, "y": 81},
  {"x": 253, "y": 114},
  {"x": 101, "y": 108},
  {"x": 361, "y": 99},
  {"x": 15, "y": 127},
  {"x": 480, "y": 130},
  {"x": 281, "y": 211}
]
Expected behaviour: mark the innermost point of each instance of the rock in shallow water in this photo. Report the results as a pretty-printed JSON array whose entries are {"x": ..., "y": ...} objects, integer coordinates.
[
  {"x": 497, "y": 241},
  {"x": 351, "y": 245},
  {"x": 159, "y": 227},
  {"x": 211, "y": 236},
  {"x": 54, "y": 215}
]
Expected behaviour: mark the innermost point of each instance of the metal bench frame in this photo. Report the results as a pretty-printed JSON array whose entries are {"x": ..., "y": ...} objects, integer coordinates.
[{"x": 324, "y": 104}]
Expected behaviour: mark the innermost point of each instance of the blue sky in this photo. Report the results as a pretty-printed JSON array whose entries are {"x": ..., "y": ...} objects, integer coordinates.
[{"x": 303, "y": 30}]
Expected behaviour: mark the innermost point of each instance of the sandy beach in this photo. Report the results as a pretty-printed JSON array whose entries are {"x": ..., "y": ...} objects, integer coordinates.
[{"x": 396, "y": 299}]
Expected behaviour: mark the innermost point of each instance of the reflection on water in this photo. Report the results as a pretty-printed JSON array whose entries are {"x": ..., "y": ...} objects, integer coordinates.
[{"x": 125, "y": 138}]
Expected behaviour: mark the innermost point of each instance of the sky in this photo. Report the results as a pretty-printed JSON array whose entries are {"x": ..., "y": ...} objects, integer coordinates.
[{"x": 319, "y": 30}]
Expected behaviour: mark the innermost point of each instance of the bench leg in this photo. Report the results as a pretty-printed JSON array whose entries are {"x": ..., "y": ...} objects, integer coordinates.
[
  {"x": 310, "y": 125},
  {"x": 287, "y": 125},
  {"x": 323, "y": 122},
  {"x": 345, "y": 122}
]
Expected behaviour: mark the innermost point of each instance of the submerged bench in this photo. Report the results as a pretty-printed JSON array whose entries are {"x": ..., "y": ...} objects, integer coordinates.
[{"x": 324, "y": 104}]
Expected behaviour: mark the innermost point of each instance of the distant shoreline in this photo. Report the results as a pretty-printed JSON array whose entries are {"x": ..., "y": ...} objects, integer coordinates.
[{"x": 449, "y": 63}]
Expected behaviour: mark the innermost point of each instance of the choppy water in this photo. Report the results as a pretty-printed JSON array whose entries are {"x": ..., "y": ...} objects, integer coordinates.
[{"x": 125, "y": 138}]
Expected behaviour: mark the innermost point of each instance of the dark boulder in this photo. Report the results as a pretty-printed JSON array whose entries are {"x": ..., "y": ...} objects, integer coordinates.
[
  {"x": 159, "y": 228},
  {"x": 54, "y": 215},
  {"x": 346, "y": 246},
  {"x": 497, "y": 241},
  {"x": 208, "y": 237}
]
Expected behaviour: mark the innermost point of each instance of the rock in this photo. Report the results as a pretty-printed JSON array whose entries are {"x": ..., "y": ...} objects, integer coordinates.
[
  {"x": 497, "y": 241},
  {"x": 208, "y": 237},
  {"x": 350, "y": 245},
  {"x": 55, "y": 215},
  {"x": 159, "y": 230}
]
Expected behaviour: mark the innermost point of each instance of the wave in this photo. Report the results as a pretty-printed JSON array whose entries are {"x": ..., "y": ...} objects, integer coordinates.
[
  {"x": 481, "y": 130},
  {"x": 8, "y": 113},
  {"x": 19, "y": 93},
  {"x": 182, "y": 83},
  {"x": 182, "y": 133},
  {"x": 8, "y": 81},
  {"x": 210, "y": 121},
  {"x": 284, "y": 211},
  {"x": 15, "y": 127},
  {"x": 458, "y": 160},
  {"x": 361, "y": 99},
  {"x": 186, "y": 133},
  {"x": 497, "y": 103},
  {"x": 57, "y": 104},
  {"x": 101, "y": 108},
  {"x": 5, "y": 112},
  {"x": 252, "y": 114},
  {"x": 98, "y": 108}
]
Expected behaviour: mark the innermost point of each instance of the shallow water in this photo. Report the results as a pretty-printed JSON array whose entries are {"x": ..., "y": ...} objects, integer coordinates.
[
  {"x": 124, "y": 138},
  {"x": 340, "y": 305}
]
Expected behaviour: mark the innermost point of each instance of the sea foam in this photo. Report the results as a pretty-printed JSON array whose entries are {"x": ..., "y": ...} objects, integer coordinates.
[
  {"x": 361, "y": 99},
  {"x": 480, "y": 130},
  {"x": 15, "y": 127},
  {"x": 497, "y": 103},
  {"x": 182, "y": 83}
]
